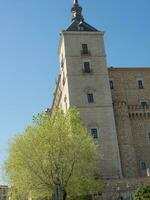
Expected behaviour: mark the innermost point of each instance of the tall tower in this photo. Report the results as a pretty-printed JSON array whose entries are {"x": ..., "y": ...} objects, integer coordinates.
[{"x": 84, "y": 83}]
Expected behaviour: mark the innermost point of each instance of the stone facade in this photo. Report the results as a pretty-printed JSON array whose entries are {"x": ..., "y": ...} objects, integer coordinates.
[
  {"x": 132, "y": 114},
  {"x": 3, "y": 192},
  {"x": 114, "y": 104},
  {"x": 121, "y": 189},
  {"x": 74, "y": 85}
]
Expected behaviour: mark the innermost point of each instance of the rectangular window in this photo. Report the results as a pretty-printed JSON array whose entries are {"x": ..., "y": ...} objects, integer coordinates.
[
  {"x": 90, "y": 98},
  {"x": 81, "y": 28},
  {"x": 144, "y": 103},
  {"x": 87, "y": 68},
  {"x": 84, "y": 48},
  {"x": 111, "y": 85},
  {"x": 140, "y": 84},
  {"x": 94, "y": 133},
  {"x": 143, "y": 165},
  {"x": 149, "y": 137}
]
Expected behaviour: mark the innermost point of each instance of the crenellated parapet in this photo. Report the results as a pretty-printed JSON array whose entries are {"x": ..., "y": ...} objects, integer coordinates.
[
  {"x": 136, "y": 111},
  {"x": 133, "y": 111}
]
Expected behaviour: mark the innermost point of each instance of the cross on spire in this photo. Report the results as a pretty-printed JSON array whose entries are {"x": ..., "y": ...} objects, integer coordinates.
[{"x": 77, "y": 11}]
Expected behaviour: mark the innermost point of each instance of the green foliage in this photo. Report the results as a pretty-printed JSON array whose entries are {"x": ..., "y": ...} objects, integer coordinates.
[
  {"x": 15, "y": 194},
  {"x": 142, "y": 193},
  {"x": 55, "y": 150}
]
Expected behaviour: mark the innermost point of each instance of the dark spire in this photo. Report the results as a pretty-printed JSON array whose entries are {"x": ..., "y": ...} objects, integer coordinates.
[
  {"x": 78, "y": 23},
  {"x": 77, "y": 11},
  {"x": 75, "y": 1}
]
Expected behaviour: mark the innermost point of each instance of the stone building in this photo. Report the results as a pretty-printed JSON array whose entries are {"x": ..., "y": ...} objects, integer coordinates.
[
  {"x": 3, "y": 192},
  {"x": 113, "y": 102}
]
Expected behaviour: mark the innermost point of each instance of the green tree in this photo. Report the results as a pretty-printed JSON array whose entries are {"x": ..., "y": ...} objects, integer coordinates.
[
  {"x": 143, "y": 193},
  {"x": 56, "y": 152},
  {"x": 15, "y": 194}
]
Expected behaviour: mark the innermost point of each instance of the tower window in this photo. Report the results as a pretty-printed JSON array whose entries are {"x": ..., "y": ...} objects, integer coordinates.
[
  {"x": 62, "y": 64},
  {"x": 85, "y": 49},
  {"x": 143, "y": 165},
  {"x": 81, "y": 28},
  {"x": 149, "y": 137},
  {"x": 144, "y": 103},
  {"x": 87, "y": 68},
  {"x": 111, "y": 85},
  {"x": 94, "y": 133},
  {"x": 140, "y": 84},
  {"x": 90, "y": 98}
]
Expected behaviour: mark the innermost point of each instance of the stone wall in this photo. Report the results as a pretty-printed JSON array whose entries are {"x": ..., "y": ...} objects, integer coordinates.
[
  {"x": 132, "y": 119},
  {"x": 3, "y": 192},
  {"x": 79, "y": 84},
  {"x": 125, "y": 188}
]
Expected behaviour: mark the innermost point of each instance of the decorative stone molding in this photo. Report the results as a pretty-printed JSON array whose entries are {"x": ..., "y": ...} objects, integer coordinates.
[
  {"x": 138, "y": 108},
  {"x": 89, "y": 89},
  {"x": 119, "y": 103}
]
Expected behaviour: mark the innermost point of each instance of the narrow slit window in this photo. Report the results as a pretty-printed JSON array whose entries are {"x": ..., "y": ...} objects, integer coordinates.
[
  {"x": 111, "y": 85},
  {"x": 149, "y": 137}
]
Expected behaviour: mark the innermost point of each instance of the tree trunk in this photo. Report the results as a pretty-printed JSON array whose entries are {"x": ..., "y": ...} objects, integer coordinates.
[{"x": 64, "y": 195}]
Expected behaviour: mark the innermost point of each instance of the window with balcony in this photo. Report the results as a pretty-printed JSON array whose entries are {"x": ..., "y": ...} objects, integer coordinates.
[
  {"x": 85, "y": 49},
  {"x": 87, "y": 67}
]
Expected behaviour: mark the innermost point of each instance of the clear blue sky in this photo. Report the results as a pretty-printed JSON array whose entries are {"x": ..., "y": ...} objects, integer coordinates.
[{"x": 29, "y": 35}]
